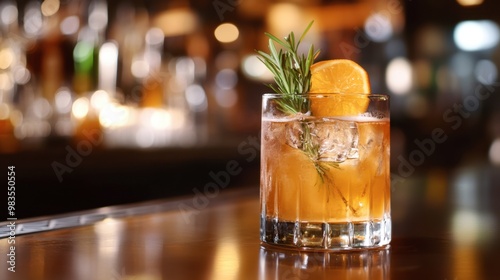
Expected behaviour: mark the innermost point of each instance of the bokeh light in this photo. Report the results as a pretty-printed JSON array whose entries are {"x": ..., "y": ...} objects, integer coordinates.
[
  {"x": 80, "y": 108},
  {"x": 253, "y": 68},
  {"x": 50, "y": 7},
  {"x": 6, "y": 81},
  {"x": 99, "y": 99},
  {"x": 283, "y": 17},
  {"x": 63, "y": 101},
  {"x": 7, "y": 58},
  {"x": 4, "y": 111},
  {"x": 399, "y": 75},
  {"x": 196, "y": 98},
  {"x": 226, "y": 78},
  {"x": 108, "y": 66},
  {"x": 33, "y": 19},
  {"x": 467, "y": 3},
  {"x": 476, "y": 35},
  {"x": 70, "y": 25},
  {"x": 8, "y": 13},
  {"x": 378, "y": 27},
  {"x": 145, "y": 137},
  {"x": 176, "y": 22},
  {"x": 114, "y": 115},
  {"x": 41, "y": 108},
  {"x": 160, "y": 119},
  {"x": 98, "y": 17},
  {"x": 139, "y": 67},
  {"x": 185, "y": 71},
  {"x": 21, "y": 74},
  {"x": 494, "y": 152},
  {"x": 226, "y": 33},
  {"x": 154, "y": 118},
  {"x": 486, "y": 72},
  {"x": 154, "y": 36}
]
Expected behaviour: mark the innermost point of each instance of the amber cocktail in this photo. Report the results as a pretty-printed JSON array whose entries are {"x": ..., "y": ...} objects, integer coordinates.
[{"x": 325, "y": 179}]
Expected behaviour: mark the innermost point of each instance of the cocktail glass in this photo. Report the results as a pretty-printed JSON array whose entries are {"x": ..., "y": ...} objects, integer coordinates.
[{"x": 325, "y": 178}]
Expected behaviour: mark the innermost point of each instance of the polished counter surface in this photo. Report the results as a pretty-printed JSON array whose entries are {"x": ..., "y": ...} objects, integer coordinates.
[{"x": 445, "y": 226}]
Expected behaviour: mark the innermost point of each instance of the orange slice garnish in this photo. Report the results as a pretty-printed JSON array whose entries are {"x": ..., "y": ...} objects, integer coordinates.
[{"x": 343, "y": 77}]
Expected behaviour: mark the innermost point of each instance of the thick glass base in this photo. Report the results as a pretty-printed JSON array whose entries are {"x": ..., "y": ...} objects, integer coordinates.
[{"x": 326, "y": 236}]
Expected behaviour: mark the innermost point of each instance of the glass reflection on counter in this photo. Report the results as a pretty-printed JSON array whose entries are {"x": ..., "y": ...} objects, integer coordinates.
[
  {"x": 287, "y": 264},
  {"x": 471, "y": 189},
  {"x": 473, "y": 223},
  {"x": 226, "y": 261}
]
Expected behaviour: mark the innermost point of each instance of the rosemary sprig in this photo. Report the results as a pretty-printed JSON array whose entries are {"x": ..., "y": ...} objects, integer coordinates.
[{"x": 291, "y": 70}]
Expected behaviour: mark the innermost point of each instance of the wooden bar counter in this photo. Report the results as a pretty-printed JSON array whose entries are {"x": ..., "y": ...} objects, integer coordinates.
[{"x": 445, "y": 226}]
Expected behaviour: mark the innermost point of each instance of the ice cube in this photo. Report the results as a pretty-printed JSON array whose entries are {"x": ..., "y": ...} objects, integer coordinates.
[
  {"x": 354, "y": 151},
  {"x": 295, "y": 134},
  {"x": 337, "y": 139}
]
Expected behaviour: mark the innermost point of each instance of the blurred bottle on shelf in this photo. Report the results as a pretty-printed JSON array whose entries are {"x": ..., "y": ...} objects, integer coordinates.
[
  {"x": 137, "y": 78},
  {"x": 13, "y": 72},
  {"x": 87, "y": 76}
]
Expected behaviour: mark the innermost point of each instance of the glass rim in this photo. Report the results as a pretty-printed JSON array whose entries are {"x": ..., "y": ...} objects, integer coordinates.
[{"x": 325, "y": 95}]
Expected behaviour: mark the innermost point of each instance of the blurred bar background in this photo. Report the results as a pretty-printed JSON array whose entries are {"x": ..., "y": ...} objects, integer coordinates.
[{"x": 109, "y": 102}]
